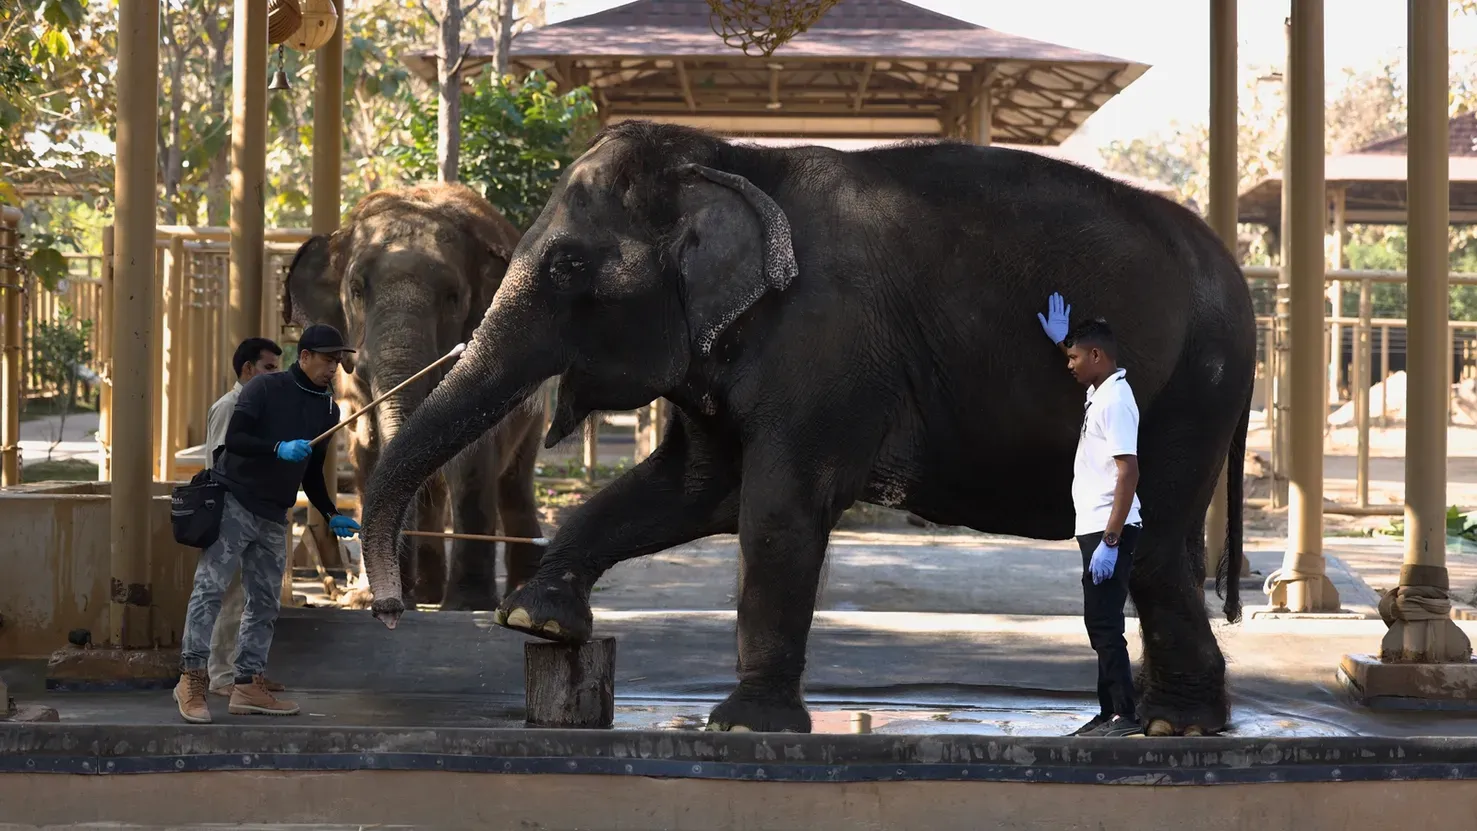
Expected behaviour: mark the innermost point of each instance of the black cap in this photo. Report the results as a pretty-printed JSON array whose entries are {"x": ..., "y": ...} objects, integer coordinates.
[{"x": 320, "y": 337}]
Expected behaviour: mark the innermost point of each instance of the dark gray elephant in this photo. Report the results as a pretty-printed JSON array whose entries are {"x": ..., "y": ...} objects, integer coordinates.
[
  {"x": 835, "y": 327},
  {"x": 408, "y": 277}
]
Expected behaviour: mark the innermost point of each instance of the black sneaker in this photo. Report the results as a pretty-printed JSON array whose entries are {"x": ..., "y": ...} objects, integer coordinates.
[
  {"x": 1090, "y": 728},
  {"x": 1118, "y": 727}
]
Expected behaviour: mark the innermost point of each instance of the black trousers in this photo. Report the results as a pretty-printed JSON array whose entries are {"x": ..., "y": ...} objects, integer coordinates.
[{"x": 1102, "y": 611}]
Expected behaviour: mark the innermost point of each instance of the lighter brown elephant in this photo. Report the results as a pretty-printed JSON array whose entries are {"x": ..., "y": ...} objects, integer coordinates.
[{"x": 409, "y": 276}]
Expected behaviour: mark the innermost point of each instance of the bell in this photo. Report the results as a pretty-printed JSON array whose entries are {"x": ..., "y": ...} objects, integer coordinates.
[{"x": 279, "y": 80}]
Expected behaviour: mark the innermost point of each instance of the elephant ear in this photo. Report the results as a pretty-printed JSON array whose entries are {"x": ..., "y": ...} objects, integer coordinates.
[
  {"x": 312, "y": 291},
  {"x": 735, "y": 246}
]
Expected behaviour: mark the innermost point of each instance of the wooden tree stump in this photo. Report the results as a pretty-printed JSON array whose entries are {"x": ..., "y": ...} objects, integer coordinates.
[{"x": 569, "y": 685}]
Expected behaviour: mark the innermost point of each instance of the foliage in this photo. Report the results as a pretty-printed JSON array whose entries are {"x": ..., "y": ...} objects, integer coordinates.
[
  {"x": 517, "y": 138},
  {"x": 60, "y": 347},
  {"x": 55, "y": 95}
]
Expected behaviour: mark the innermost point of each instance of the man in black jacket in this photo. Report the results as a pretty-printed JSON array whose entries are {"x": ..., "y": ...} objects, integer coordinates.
[{"x": 266, "y": 458}]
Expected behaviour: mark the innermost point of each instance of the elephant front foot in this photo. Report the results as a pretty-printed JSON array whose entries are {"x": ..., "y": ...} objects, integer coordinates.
[
  {"x": 750, "y": 711},
  {"x": 554, "y": 607}
]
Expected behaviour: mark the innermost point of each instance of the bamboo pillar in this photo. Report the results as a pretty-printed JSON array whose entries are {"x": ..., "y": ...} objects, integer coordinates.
[
  {"x": 105, "y": 360},
  {"x": 1222, "y": 217},
  {"x": 591, "y": 452},
  {"x": 156, "y": 362},
  {"x": 248, "y": 171},
  {"x": 1301, "y": 584},
  {"x": 190, "y": 434},
  {"x": 1426, "y": 634},
  {"x": 1359, "y": 388},
  {"x": 1384, "y": 376},
  {"x": 10, "y": 283},
  {"x": 1281, "y": 445},
  {"x": 133, "y": 306},
  {"x": 328, "y": 108},
  {"x": 983, "y": 113},
  {"x": 172, "y": 357},
  {"x": 1336, "y": 299}
]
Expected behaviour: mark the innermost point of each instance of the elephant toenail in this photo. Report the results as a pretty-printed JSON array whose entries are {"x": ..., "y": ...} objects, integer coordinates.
[
  {"x": 519, "y": 618},
  {"x": 552, "y": 627}
]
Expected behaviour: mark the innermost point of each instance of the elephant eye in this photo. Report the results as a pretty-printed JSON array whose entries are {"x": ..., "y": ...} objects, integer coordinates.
[{"x": 356, "y": 291}]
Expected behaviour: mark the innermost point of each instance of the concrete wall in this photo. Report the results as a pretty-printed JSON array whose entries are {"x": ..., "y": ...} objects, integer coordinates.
[
  {"x": 321, "y": 799},
  {"x": 54, "y": 567}
]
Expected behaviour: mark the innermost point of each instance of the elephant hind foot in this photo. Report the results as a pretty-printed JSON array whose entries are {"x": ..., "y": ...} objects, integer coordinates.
[
  {"x": 1184, "y": 718},
  {"x": 551, "y": 607},
  {"x": 760, "y": 712},
  {"x": 1160, "y": 727}
]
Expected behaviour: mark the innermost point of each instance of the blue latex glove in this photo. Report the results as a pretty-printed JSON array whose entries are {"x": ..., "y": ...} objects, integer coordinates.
[
  {"x": 294, "y": 451},
  {"x": 1104, "y": 560},
  {"x": 1055, "y": 321},
  {"x": 343, "y": 526}
]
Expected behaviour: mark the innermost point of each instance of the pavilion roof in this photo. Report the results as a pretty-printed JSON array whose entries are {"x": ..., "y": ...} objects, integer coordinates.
[
  {"x": 868, "y": 68},
  {"x": 1373, "y": 178}
]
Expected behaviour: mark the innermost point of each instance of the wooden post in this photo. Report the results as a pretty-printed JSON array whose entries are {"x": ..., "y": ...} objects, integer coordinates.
[
  {"x": 591, "y": 455},
  {"x": 156, "y": 365},
  {"x": 172, "y": 355},
  {"x": 105, "y": 362},
  {"x": 1359, "y": 388},
  {"x": 136, "y": 173},
  {"x": 10, "y": 283},
  {"x": 569, "y": 685},
  {"x": 1384, "y": 376}
]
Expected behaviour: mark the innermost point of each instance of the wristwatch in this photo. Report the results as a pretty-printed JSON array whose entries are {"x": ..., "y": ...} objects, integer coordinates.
[{"x": 1110, "y": 539}]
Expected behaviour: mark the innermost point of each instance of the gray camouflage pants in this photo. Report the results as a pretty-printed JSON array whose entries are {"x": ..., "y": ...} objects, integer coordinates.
[{"x": 257, "y": 548}]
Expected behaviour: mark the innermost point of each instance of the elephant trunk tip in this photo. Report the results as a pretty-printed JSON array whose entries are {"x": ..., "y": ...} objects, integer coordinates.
[{"x": 388, "y": 611}]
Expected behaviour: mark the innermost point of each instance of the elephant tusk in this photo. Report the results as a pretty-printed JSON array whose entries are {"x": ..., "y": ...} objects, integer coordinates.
[
  {"x": 477, "y": 537},
  {"x": 455, "y": 351}
]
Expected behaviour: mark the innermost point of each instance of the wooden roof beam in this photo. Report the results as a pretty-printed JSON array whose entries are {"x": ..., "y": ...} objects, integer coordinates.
[
  {"x": 686, "y": 87},
  {"x": 861, "y": 86}
]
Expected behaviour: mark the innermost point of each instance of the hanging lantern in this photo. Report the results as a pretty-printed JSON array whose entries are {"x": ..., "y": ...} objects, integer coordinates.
[
  {"x": 283, "y": 18},
  {"x": 320, "y": 20}
]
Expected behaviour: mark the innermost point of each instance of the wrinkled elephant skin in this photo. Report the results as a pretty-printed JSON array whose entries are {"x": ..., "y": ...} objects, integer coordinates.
[
  {"x": 407, "y": 278},
  {"x": 836, "y": 327}
]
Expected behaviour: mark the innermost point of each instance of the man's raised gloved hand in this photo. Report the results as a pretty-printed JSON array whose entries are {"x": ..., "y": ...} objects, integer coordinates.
[
  {"x": 343, "y": 526},
  {"x": 1055, "y": 321},
  {"x": 1104, "y": 560},
  {"x": 293, "y": 451}
]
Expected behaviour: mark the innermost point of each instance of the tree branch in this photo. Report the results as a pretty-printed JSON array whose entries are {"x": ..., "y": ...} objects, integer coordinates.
[
  {"x": 434, "y": 19},
  {"x": 456, "y": 68},
  {"x": 470, "y": 7}
]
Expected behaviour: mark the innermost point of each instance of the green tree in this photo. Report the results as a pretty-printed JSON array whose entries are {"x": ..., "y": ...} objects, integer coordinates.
[
  {"x": 55, "y": 98},
  {"x": 517, "y": 140}
]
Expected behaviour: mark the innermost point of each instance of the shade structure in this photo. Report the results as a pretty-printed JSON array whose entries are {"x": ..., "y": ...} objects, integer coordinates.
[{"x": 867, "y": 69}]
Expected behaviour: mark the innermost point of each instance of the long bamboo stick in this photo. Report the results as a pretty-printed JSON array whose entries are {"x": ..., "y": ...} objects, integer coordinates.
[
  {"x": 455, "y": 351},
  {"x": 477, "y": 537}
]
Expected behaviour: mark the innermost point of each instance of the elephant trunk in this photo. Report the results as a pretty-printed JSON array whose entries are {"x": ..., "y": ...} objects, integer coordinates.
[{"x": 508, "y": 357}]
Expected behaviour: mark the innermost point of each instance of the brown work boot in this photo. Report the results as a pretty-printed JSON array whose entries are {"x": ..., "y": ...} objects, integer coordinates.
[
  {"x": 224, "y": 690},
  {"x": 256, "y": 699},
  {"x": 189, "y": 695}
]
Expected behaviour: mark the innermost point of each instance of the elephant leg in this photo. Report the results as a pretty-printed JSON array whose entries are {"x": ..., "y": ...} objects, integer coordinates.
[
  {"x": 785, "y": 520},
  {"x": 686, "y": 490},
  {"x": 1183, "y": 677},
  {"x": 518, "y": 514},
  {"x": 473, "y": 483},
  {"x": 430, "y": 553}
]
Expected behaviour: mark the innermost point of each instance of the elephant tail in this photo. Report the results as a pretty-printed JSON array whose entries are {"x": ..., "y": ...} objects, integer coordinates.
[{"x": 1228, "y": 572}]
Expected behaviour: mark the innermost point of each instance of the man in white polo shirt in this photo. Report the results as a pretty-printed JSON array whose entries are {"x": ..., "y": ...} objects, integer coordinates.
[{"x": 1104, "y": 479}]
